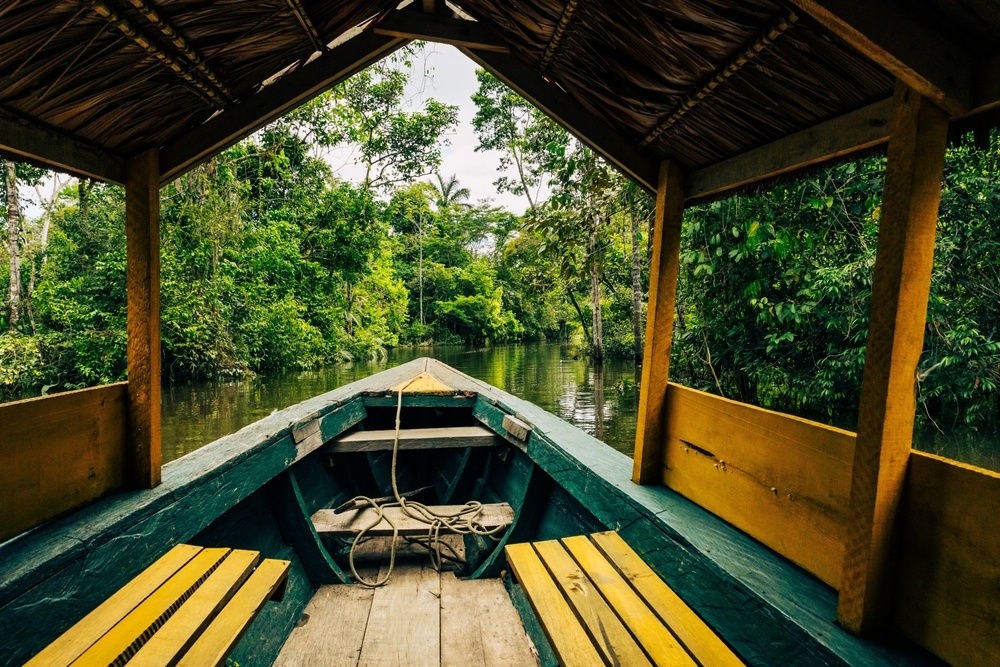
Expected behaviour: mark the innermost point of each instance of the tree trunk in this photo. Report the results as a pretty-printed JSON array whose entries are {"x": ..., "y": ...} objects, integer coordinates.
[
  {"x": 636, "y": 285},
  {"x": 13, "y": 245},
  {"x": 595, "y": 296},
  {"x": 579, "y": 313}
]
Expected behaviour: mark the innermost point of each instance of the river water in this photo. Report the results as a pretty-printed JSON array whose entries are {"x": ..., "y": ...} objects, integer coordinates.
[{"x": 601, "y": 400}]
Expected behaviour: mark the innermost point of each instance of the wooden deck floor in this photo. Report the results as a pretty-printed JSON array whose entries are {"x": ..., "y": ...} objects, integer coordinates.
[{"x": 420, "y": 618}]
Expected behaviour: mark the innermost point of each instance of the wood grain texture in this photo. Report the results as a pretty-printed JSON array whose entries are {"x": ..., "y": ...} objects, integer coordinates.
[
  {"x": 142, "y": 233},
  {"x": 663, "y": 270},
  {"x": 180, "y": 631},
  {"x": 563, "y": 629},
  {"x": 853, "y": 132},
  {"x": 298, "y": 531},
  {"x": 480, "y": 627},
  {"x": 71, "y": 644},
  {"x": 416, "y": 438},
  {"x": 32, "y": 142},
  {"x": 412, "y": 637},
  {"x": 158, "y": 605},
  {"x": 605, "y": 628},
  {"x": 331, "y": 630},
  {"x": 218, "y": 640},
  {"x": 58, "y": 453},
  {"x": 947, "y": 595},
  {"x": 920, "y": 57},
  {"x": 441, "y": 30},
  {"x": 900, "y": 288},
  {"x": 691, "y": 630},
  {"x": 352, "y": 522},
  {"x": 784, "y": 480},
  {"x": 649, "y": 630}
]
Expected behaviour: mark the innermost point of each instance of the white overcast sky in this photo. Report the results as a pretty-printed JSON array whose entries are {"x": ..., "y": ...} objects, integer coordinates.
[{"x": 451, "y": 78}]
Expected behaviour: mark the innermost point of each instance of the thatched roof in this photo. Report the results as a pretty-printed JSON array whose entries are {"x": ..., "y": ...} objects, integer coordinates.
[{"x": 90, "y": 82}]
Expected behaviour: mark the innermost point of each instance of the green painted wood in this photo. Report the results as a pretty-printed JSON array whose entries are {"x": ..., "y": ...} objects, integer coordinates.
[
  {"x": 297, "y": 529},
  {"x": 546, "y": 656},
  {"x": 420, "y": 401}
]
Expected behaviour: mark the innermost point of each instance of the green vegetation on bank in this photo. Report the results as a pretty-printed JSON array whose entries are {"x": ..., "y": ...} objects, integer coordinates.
[{"x": 271, "y": 262}]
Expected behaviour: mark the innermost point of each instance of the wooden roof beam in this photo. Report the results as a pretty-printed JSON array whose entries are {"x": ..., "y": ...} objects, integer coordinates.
[
  {"x": 26, "y": 141},
  {"x": 307, "y": 25},
  {"x": 440, "y": 29},
  {"x": 557, "y": 35},
  {"x": 925, "y": 60},
  {"x": 183, "y": 47},
  {"x": 290, "y": 91},
  {"x": 199, "y": 84},
  {"x": 853, "y": 132},
  {"x": 608, "y": 142}
]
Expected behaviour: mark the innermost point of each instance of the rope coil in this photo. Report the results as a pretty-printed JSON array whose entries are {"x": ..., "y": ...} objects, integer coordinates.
[{"x": 463, "y": 521}]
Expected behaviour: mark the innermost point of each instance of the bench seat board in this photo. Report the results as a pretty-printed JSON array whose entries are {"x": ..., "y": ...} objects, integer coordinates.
[
  {"x": 696, "y": 635},
  {"x": 218, "y": 640},
  {"x": 352, "y": 522},
  {"x": 416, "y": 438},
  {"x": 69, "y": 646},
  {"x": 606, "y": 630},
  {"x": 179, "y": 632},
  {"x": 151, "y": 611},
  {"x": 658, "y": 641},
  {"x": 567, "y": 636}
]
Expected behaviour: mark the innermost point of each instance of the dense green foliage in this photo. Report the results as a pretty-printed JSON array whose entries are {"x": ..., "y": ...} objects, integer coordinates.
[{"x": 270, "y": 262}]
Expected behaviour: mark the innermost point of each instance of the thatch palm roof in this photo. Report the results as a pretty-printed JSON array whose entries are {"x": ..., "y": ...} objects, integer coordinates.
[{"x": 87, "y": 84}]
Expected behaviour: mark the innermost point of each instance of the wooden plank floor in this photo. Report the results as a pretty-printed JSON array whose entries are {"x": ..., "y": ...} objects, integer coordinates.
[{"x": 421, "y": 618}]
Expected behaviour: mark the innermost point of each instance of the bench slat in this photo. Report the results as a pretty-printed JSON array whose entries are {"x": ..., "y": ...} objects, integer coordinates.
[
  {"x": 165, "y": 599},
  {"x": 567, "y": 636},
  {"x": 351, "y": 522},
  {"x": 218, "y": 640},
  {"x": 416, "y": 438},
  {"x": 661, "y": 646},
  {"x": 696, "y": 635},
  {"x": 602, "y": 624},
  {"x": 72, "y": 643},
  {"x": 179, "y": 632}
]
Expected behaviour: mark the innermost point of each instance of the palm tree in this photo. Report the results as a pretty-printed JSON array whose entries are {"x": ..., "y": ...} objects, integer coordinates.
[{"x": 448, "y": 192}]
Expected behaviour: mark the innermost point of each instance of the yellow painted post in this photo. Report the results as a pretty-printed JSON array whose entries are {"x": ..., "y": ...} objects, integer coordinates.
[
  {"x": 142, "y": 231},
  {"x": 895, "y": 341},
  {"x": 647, "y": 465}
]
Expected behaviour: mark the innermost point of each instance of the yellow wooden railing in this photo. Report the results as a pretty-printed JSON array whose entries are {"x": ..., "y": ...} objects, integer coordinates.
[{"x": 58, "y": 453}]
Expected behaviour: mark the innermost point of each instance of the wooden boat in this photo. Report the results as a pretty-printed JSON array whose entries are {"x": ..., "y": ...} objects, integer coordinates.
[{"x": 273, "y": 485}]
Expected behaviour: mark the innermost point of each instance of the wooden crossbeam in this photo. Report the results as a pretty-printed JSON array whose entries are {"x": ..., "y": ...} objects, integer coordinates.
[
  {"x": 302, "y": 16},
  {"x": 416, "y": 438},
  {"x": 352, "y": 522},
  {"x": 222, "y": 131},
  {"x": 922, "y": 58},
  {"x": 23, "y": 140},
  {"x": 602, "y": 137},
  {"x": 856, "y": 131},
  {"x": 440, "y": 29}
]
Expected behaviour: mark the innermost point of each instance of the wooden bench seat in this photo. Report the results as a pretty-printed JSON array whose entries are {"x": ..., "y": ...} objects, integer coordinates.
[
  {"x": 599, "y": 603},
  {"x": 348, "y": 524},
  {"x": 415, "y": 438},
  {"x": 188, "y": 608}
]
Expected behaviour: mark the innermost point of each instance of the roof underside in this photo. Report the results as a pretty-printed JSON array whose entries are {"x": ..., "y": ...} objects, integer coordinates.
[{"x": 694, "y": 81}]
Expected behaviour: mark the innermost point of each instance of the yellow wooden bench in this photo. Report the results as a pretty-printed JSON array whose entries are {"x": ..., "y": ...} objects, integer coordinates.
[
  {"x": 600, "y": 604},
  {"x": 188, "y": 608}
]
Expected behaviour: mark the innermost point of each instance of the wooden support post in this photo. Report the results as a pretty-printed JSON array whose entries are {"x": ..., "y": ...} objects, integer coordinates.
[
  {"x": 895, "y": 341},
  {"x": 142, "y": 232},
  {"x": 647, "y": 467}
]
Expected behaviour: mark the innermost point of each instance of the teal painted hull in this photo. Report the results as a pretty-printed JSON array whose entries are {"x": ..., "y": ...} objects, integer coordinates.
[{"x": 258, "y": 488}]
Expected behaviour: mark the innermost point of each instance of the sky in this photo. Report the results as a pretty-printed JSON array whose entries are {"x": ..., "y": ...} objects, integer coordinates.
[{"x": 445, "y": 74}]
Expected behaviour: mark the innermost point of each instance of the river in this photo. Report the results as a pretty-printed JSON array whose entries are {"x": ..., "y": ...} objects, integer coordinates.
[{"x": 600, "y": 400}]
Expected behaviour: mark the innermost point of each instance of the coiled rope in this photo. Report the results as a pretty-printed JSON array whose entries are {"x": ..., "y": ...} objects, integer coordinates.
[{"x": 463, "y": 521}]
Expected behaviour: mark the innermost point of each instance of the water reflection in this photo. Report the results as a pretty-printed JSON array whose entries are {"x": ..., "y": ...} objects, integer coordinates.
[{"x": 599, "y": 400}]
